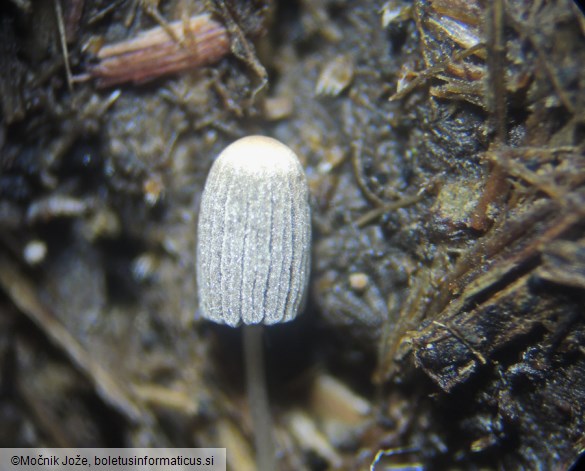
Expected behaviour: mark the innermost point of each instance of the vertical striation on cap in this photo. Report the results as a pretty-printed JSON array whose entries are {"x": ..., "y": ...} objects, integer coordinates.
[{"x": 254, "y": 235}]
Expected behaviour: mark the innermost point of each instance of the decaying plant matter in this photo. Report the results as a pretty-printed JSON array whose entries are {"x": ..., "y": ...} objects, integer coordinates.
[
  {"x": 443, "y": 141},
  {"x": 183, "y": 45}
]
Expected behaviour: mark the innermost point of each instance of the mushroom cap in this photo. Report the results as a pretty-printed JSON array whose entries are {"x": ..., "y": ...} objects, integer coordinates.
[{"x": 254, "y": 235}]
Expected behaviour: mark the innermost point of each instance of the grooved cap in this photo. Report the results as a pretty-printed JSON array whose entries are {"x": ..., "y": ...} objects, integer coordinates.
[{"x": 254, "y": 235}]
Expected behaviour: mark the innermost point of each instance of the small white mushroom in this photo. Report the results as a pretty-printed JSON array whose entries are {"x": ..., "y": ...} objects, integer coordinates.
[
  {"x": 254, "y": 235},
  {"x": 253, "y": 255}
]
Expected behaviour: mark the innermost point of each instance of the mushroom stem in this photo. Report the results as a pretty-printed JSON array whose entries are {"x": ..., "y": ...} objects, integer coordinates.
[{"x": 258, "y": 398}]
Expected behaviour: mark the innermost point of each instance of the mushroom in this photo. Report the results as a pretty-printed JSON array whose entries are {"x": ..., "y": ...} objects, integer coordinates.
[{"x": 253, "y": 256}]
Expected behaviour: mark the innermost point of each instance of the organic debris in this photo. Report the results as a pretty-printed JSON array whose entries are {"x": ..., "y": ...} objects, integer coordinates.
[{"x": 444, "y": 144}]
